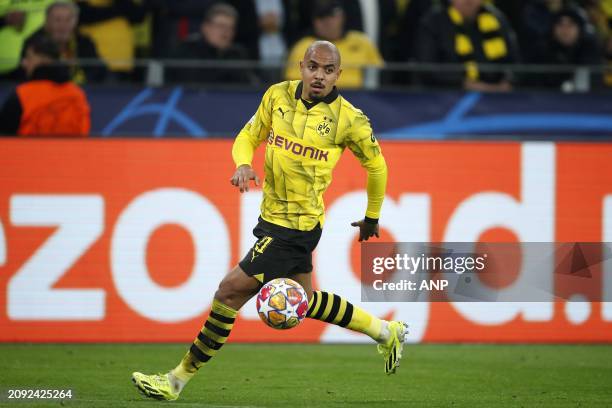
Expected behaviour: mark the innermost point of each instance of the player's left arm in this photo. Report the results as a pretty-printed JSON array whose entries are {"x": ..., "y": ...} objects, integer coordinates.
[{"x": 365, "y": 147}]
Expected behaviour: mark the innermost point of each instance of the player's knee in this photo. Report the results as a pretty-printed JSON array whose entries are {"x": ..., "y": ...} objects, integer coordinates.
[
  {"x": 226, "y": 292},
  {"x": 233, "y": 292}
]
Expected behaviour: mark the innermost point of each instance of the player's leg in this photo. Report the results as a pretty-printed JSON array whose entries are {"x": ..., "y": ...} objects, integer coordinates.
[
  {"x": 331, "y": 308},
  {"x": 233, "y": 292},
  {"x": 334, "y": 309}
]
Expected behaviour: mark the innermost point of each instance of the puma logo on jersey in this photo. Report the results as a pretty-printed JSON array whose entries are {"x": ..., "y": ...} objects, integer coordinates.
[{"x": 281, "y": 112}]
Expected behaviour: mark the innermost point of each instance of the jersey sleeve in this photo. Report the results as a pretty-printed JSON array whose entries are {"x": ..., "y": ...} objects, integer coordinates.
[
  {"x": 254, "y": 132},
  {"x": 365, "y": 147}
]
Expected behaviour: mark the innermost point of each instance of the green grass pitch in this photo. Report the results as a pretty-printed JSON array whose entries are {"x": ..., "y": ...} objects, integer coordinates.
[{"x": 319, "y": 375}]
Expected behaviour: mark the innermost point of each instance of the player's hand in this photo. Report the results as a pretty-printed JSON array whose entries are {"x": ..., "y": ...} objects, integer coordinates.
[
  {"x": 241, "y": 177},
  {"x": 366, "y": 229}
]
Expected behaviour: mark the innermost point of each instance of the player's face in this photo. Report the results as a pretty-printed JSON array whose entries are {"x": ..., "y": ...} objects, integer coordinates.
[{"x": 320, "y": 71}]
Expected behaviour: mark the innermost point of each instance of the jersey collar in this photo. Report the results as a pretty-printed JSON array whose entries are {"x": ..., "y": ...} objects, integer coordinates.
[{"x": 332, "y": 96}]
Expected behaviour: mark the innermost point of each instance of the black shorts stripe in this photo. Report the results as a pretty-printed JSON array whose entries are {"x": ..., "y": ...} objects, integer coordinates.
[
  {"x": 313, "y": 303},
  {"x": 216, "y": 329},
  {"x": 348, "y": 315},
  {"x": 221, "y": 318},
  {"x": 212, "y": 344},
  {"x": 324, "y": 297},
  {"x": 199, "y": 354},
  {"x": 334, "y": 310}
]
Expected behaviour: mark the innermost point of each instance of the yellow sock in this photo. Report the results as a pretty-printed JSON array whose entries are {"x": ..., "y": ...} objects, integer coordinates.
[
  {"x": 211, "y": 338},
  {"x": 331, "y": 308}
]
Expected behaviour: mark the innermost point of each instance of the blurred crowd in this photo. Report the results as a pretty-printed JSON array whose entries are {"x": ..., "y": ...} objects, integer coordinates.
[{"x": 205, "y": 41}]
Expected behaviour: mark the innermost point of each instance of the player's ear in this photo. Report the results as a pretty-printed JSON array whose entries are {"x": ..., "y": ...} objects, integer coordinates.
[{"x": 339, "y": 72}]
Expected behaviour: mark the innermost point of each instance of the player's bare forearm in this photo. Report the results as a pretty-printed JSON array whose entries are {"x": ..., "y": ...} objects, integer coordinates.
[{"x": 243, "y": 174}]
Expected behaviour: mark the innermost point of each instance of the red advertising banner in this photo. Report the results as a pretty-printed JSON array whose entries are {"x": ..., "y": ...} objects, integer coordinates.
[{"x": 126, "y": 240}]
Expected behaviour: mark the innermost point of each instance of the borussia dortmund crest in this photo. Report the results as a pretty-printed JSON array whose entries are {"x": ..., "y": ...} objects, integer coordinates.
[{"x": 324, "y": 128}]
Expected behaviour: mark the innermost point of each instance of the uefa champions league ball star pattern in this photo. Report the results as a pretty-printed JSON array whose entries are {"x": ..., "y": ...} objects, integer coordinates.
[{"x": 282, "y": 303}]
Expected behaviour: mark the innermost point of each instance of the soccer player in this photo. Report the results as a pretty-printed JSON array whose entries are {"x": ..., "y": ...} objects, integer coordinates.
[{"x": 307, "y": 125}]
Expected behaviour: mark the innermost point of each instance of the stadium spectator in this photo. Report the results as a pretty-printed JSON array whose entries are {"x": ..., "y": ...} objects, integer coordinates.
[
  {"x": 60, "y": 26},
  {"x": 175, "y": 20},
  {"x": 214, "y": 42},
  {"x": 571, "y": 42},
  {"x": 18, "y": 20},
  {"x": 536, "y": 24},
  {"x": 48, "y": 104},
  {"x": 355, "y": 47},
  {"x": 272, "y": 46},
  {"x": 109, "y": 25},
  {"x": 470, "y": 33},
  {"x": 298, "y": 18},
  {"x": 600, "y": 14}
]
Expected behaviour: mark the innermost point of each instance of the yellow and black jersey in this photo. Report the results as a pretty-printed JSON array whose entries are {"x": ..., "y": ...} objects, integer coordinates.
[{"x": 304, "y": 142}]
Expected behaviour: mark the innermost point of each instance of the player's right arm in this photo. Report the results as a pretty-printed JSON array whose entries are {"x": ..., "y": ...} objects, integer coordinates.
[{"x": 250, "y": 137}]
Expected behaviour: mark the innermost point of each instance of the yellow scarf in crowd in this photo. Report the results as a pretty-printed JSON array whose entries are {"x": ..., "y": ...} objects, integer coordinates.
[{"x": 493, "y": 45}]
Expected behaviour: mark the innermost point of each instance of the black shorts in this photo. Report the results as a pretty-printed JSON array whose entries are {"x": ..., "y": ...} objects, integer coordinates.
[{"x": 280, "y": 252}]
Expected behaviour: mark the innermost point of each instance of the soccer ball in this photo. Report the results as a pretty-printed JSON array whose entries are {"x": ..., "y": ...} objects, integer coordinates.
[{"x": 282, "y": 303}]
